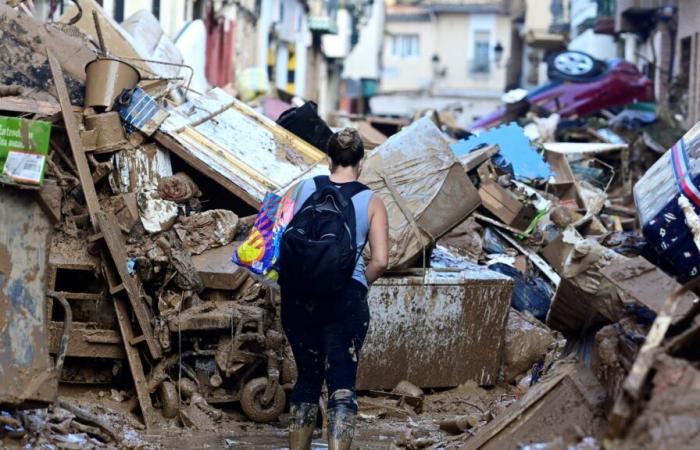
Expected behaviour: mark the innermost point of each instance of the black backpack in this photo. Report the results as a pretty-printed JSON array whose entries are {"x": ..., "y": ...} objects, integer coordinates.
[
  {"x": 318, "y": 252},
  {"x": 305, "y": 122}
]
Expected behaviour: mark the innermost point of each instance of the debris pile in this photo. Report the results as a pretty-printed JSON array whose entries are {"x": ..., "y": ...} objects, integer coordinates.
[
  {"x": 142, "y": 291},
  {"x": 536, "y": 267}
]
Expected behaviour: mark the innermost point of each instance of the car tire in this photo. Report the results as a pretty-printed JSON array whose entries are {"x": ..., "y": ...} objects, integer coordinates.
[{"x": 572, "y": 65}]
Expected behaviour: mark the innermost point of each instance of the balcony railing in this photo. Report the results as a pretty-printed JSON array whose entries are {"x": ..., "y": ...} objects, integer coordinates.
[
  {"x": 641, "y": 5},
  {"x": 635, "y": 15},
  {"x": 322, "y": 16}
]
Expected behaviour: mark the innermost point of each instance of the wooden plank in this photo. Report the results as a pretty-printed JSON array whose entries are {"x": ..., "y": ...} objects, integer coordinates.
[
  {"x": 116, "y": 289},
  {"x": 534, "y": 257},
  {"x": 87, "y": 342},
  {"x": 175, "y": 147},
  {"x": 95, "y": 237},
  {"x": 217, "y": 270},
  {"x": 513, "y": 413},
  {"x": 115, "y": 244},
  {"x": 86, "y": 296},
  {"x": 135, "y": 363},
  {"x": 29, "y": 105},
  {"x": 73, "y": 132},
  {"x": 472, "y": 160},
  {"x": 546, "y": 410},
  {"x": 632, "y": 387}
]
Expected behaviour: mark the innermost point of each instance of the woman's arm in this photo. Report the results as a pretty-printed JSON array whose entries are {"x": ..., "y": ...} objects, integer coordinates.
[{"x": 378, "y": 240}]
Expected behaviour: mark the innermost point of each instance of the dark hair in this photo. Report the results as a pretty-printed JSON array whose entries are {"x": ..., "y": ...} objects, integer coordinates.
[{"x": 345, "y": 148}]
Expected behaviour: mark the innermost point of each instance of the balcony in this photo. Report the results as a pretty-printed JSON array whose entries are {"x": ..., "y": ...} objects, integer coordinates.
[
  {"x": 638, "y": 16},
  {"x": 637, "y": 6},
  {"x": 605, "y": 21},
  {"x": 322, "y": 16}
]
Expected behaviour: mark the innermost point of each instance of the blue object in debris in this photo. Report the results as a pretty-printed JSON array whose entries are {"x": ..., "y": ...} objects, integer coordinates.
[
  {"x": 131, "y": 266},
  {"x": 532, "y": 295},
  {"x": 141, "y": 111},
  {"x": 516, "y": 154}
]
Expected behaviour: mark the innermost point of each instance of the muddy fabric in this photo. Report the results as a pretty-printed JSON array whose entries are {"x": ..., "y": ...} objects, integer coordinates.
[
  {"x": 209, "y": 229},
  {"x": 424, "y": 187},
  {"x": 326, "y": 338}
]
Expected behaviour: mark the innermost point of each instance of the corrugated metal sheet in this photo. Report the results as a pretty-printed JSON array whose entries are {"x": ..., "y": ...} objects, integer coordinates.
[
  {"x": 243, "y": 150},
  {"x": 26, "y": 375},
  {"x": 438, "y": 334}
]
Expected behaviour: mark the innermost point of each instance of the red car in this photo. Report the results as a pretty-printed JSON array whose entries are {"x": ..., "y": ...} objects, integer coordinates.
[{"x": 582, "y": 85}]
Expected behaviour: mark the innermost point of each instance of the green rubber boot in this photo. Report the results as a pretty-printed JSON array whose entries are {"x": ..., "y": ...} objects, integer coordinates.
[
  {"x": 302, "y": 421},
  {"x": 341, "y": 427}
]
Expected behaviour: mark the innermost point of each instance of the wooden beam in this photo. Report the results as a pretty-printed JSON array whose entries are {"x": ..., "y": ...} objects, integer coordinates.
[
  {"x": 72, "y": 129},
  {"x": 135, "y": 364},
  {"x": 87, "y": 342},
  {"x": 116, "y": 246},
  {"x": 29, "y": 105},
  {"x": 534, "y": 257},
  {"x": 516, "y": 411}
]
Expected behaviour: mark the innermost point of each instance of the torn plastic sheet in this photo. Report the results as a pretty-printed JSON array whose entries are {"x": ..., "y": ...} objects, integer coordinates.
[{"x": 516, "y": 154}]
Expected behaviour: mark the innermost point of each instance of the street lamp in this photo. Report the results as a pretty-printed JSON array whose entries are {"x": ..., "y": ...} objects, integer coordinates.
[{"x": 497, "y": 53}]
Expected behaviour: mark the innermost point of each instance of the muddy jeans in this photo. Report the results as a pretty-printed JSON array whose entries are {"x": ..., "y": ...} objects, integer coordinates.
[{"x": 326, "y": 337}]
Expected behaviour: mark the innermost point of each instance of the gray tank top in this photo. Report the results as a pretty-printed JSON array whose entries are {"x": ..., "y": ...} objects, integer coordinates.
[{"x": 361, "y": 204}]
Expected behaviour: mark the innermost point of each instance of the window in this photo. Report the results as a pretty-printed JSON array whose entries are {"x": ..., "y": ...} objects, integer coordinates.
[
  {"x": 405, "y": 45},
  {"x": 481, "y": 61},
  {"x": 686, "y": 48}
]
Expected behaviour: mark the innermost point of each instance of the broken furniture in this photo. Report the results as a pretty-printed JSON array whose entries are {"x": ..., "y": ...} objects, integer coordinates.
[{"x": 242, "y": 150}]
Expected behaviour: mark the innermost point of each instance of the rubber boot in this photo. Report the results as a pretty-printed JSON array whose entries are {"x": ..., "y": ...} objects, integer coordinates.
[
  {"x": 302, "y": 421},
  {"x": 341, "y": 427}
]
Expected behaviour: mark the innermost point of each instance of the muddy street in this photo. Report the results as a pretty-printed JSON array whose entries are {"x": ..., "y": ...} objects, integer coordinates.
[{"x": 368, "y": 224}]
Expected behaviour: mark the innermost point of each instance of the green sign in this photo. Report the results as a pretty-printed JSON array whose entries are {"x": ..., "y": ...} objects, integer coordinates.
[{"x": 24, "y": 145}]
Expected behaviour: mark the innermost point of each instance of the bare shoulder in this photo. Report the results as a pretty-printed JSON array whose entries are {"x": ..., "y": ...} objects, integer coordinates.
[{"x": 376, "y": 205}]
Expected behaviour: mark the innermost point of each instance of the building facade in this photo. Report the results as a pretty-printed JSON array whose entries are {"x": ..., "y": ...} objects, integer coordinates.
[
  {"x": 687, "y": 62},
  {"x": 588, "y": 34},
  {"x": 647, "y": 30},
  {"x": 437, "y": 53},
  {"x": 544, "y": 28}
]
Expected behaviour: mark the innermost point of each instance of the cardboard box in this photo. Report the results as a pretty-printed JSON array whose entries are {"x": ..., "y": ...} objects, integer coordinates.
[
  {"x": 505, "y": 205},
  {"x": 501, "y": 202},
  {"x": 563, "y": 184},
  {"x": 557, "y": 252},
  {"x": 24, "y": 145}
]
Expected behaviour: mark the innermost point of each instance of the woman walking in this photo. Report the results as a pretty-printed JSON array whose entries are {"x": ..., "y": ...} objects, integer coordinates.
[{"x": 324, "y": 282}]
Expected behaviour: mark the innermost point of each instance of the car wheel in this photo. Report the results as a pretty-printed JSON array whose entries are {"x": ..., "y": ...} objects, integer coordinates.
[{"x": 573, "y": 65}]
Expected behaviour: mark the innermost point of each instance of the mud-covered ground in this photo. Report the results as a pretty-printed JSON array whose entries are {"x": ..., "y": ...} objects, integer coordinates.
[{"x": 383, "y": 422}]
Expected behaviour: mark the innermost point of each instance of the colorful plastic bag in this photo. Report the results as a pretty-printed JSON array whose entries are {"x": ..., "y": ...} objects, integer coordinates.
[{"x": 260, "y": 251}]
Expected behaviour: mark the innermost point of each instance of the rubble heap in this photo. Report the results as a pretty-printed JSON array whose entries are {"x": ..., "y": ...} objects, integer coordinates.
[{"x": 536, "y": 268}]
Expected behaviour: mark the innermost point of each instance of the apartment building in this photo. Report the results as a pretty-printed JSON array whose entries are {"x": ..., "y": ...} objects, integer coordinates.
[{"x": 441, "y": 52}]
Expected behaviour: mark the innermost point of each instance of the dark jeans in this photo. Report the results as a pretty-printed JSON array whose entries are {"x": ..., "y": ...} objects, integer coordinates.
[{"x": 326, "y": 337}]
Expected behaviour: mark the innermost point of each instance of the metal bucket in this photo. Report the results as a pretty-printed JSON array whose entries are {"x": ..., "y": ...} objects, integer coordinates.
[{"x": 106, "y": 78}]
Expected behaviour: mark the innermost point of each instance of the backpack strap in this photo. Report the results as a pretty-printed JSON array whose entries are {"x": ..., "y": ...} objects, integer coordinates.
[
  {"x": 348, "y": 190},
  {"x": 322, "y": 181},
  {"x": 354, "y": 188}
]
